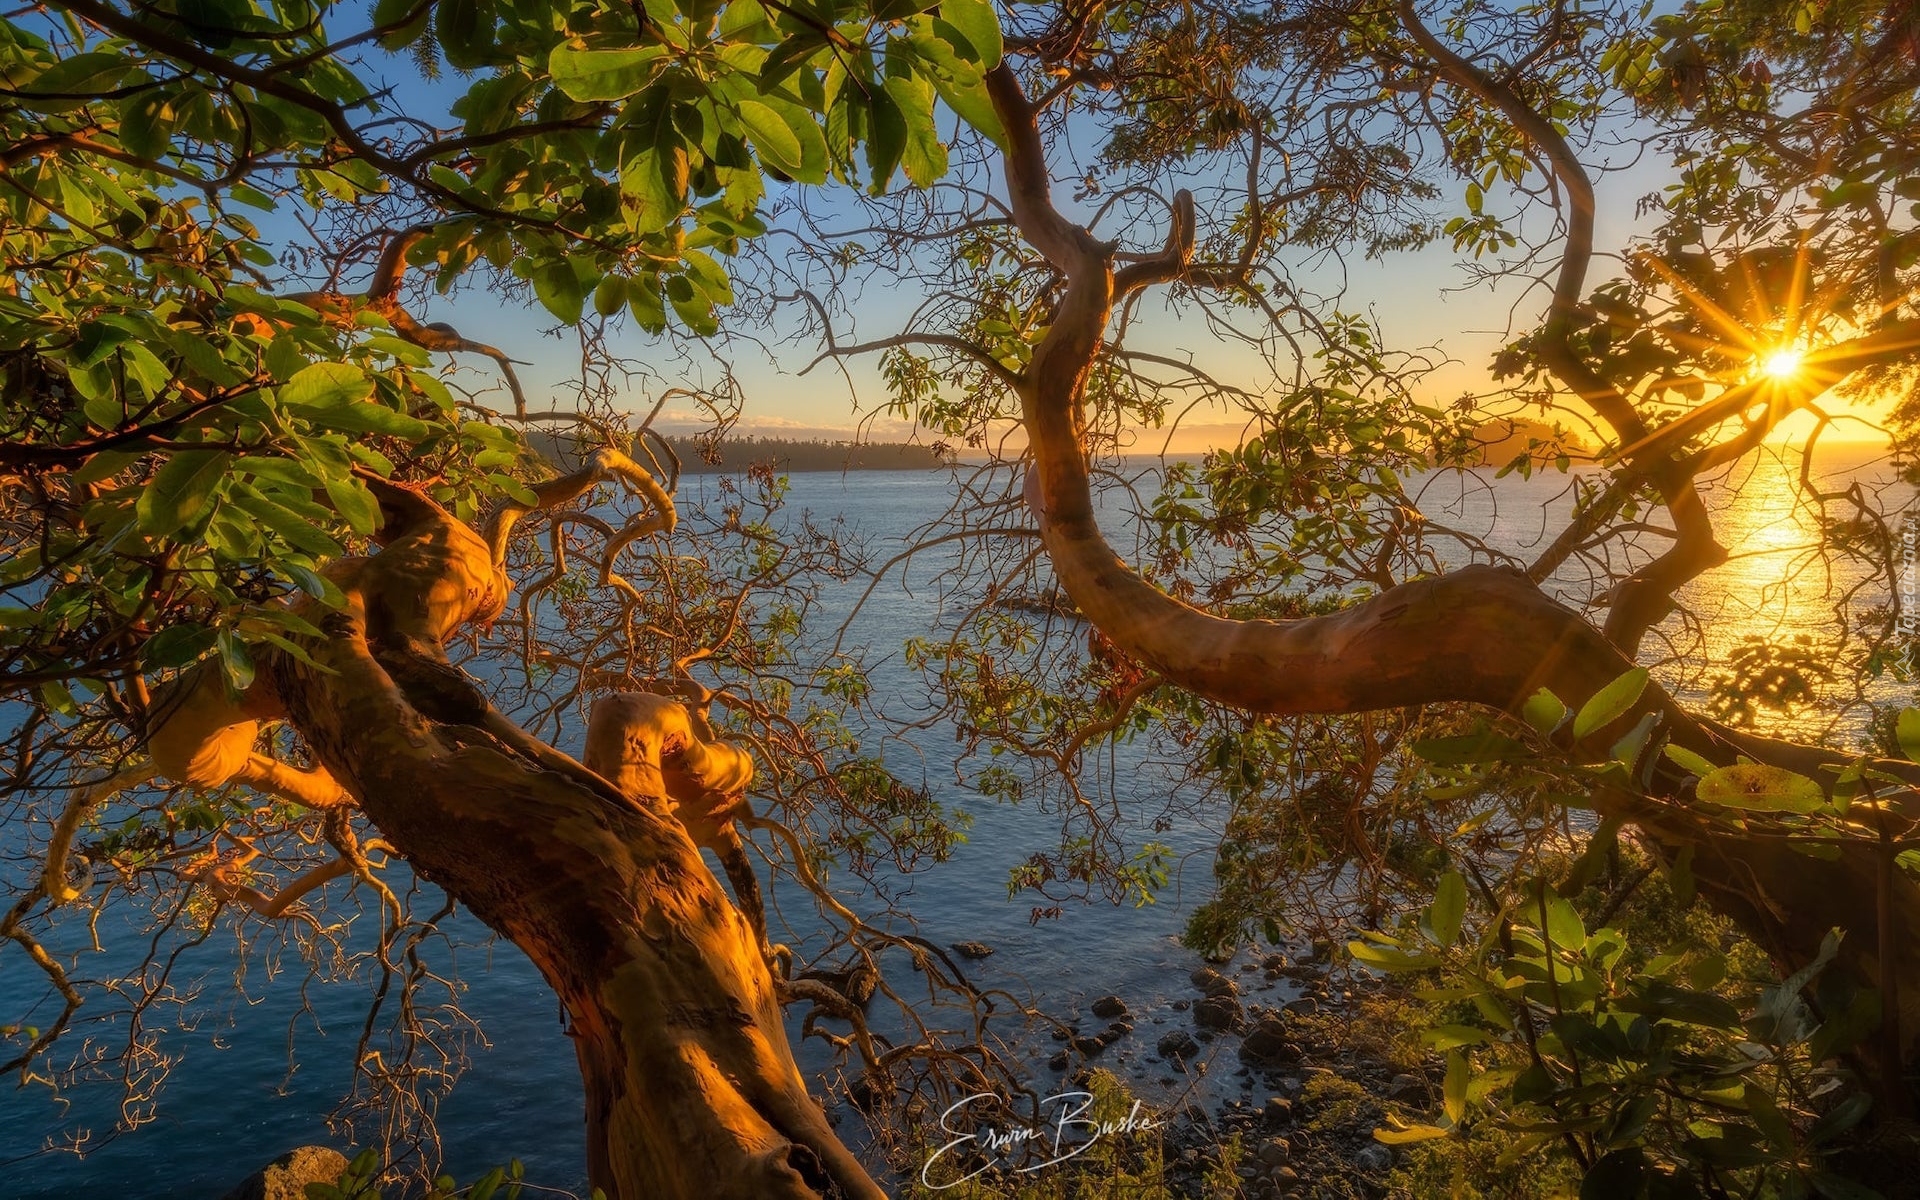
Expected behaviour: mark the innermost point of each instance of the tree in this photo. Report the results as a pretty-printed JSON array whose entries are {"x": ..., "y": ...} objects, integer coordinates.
[
  {"x": 1782, "y": 233},
  {"x": 189, "y": 447},
  {"x": 191, "y": 457}
]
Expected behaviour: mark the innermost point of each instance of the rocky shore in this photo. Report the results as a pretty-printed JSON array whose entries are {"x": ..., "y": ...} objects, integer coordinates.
[{"x": 1274, "y": 1068}]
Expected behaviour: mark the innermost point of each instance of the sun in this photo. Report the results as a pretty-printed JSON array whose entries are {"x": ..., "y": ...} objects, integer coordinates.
[{"x": 1783, "y": 364}]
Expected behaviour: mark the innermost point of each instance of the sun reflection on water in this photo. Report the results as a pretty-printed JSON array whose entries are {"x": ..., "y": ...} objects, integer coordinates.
[{"x": 1780, "y": 585}]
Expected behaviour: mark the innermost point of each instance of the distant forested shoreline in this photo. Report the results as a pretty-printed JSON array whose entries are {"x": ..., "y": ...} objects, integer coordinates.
[
  {"x": 730, "y": 456},
  {"x": 737, "y": 454}
]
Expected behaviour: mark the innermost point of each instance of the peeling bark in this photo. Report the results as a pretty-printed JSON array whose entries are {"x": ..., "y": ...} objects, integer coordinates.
[{"x": 691, "y": 1087}]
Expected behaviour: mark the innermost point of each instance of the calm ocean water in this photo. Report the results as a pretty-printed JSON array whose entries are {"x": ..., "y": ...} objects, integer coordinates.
[{"x": 261, "y": 1065}]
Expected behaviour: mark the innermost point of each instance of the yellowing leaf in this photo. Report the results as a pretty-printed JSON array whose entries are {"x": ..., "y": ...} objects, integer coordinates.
[{"x": 1759, "y": 788}]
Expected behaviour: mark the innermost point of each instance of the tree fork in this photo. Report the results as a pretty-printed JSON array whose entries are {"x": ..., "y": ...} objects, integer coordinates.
[{"x": 691, "y": 1086}]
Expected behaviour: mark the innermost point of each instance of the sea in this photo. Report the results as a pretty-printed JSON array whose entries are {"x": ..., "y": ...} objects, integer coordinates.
[{"x": 254, "y": 1060}]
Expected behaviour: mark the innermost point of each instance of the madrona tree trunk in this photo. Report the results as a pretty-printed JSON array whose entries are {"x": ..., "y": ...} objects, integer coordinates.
[
  {"x": 691, "y": 1087},
  {"x": 1484, "y": 635}
]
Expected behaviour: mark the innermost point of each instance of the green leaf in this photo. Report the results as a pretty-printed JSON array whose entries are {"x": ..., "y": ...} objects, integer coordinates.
[
  {"x": 1756, "y": 787},
  {"x": 1449, "y": 907},
  {"x": 177, "y": 646},
  {"x": 1469, "y": 748},
  {"x": 969, "y": 99},
  {"x": 772, "y": 138},
  {"x": 1840, "y": 1118},
  {"x": 517, "y": 491},
  {"x": 1408, "y": 1134},
  {"x": 1906, "y": 730},
  {"x": 656, "y": 183},
  {"x": 235, "y": 660},
  {"x": 354, "y": 502},
  {"x": 980, "y": 24},
  {"x": 1454, "y": 1091},
  {"x": 1446, "y": 1037},
  {"x": 886, "y": 140},
  {"x": 1390, "y": 958},
  {"x": 324, "y": 385},
  {"x": 1688, "y": 760},
  {"x": 558, "y": 287},
  {"x": 1544, "y": 711},
  {"x": 592, "y": 75},
  {"x": 924, "y": 155},
  {"x": 146, "y": 122},
  {"x": 1609, "y": 704},
  {"x": 464, "y": 33},
  {"x": 81, "y": 76},
  {"x": 181, "y": 491},
  {"x": 372, "y": 417},
  {"x": 1562, "y": 923},
  {"x": 1680, "y": 877},
  {"x": 296, "y": 530}
]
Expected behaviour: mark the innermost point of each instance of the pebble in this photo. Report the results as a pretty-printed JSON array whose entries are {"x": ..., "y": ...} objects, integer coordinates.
[
  {"x": 972, "y": 949},
  {"x": 1108, "y": 1007},
  {"x": 1406, "y": 1086},
  {"x": 1088, "y": 1046},
  {"x": 1374, "y": 1158},
  {"x": 1275, "y": 1152},
  {"x": 1279, "y": 1110}
]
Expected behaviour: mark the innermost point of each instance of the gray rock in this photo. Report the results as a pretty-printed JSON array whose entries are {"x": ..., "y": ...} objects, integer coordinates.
[
  {"x": 1109, "y": 1007},
  {"x": 1375, "y": 1158},
  {"x": 287, "y": 1177},
  {"x": 1279, "y": 1110},
  {"x": 1177, "y": 1045},
  {"x": 1115, "y": 1032},
  {"x": 972, "y": 949},
  {"x": 1213, "y": 983},
  {"x": 1275, "y": 1152},
  {"x": 1059, "y": 1060},
  {"x": 1302, "y": 1006},
  {"x": 1088, "y": 1046},
  {"x": 1405, "y": 1087},
  {"x": 1217, "y": 1013},
  {"x": 1267, "y": 1043}
]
